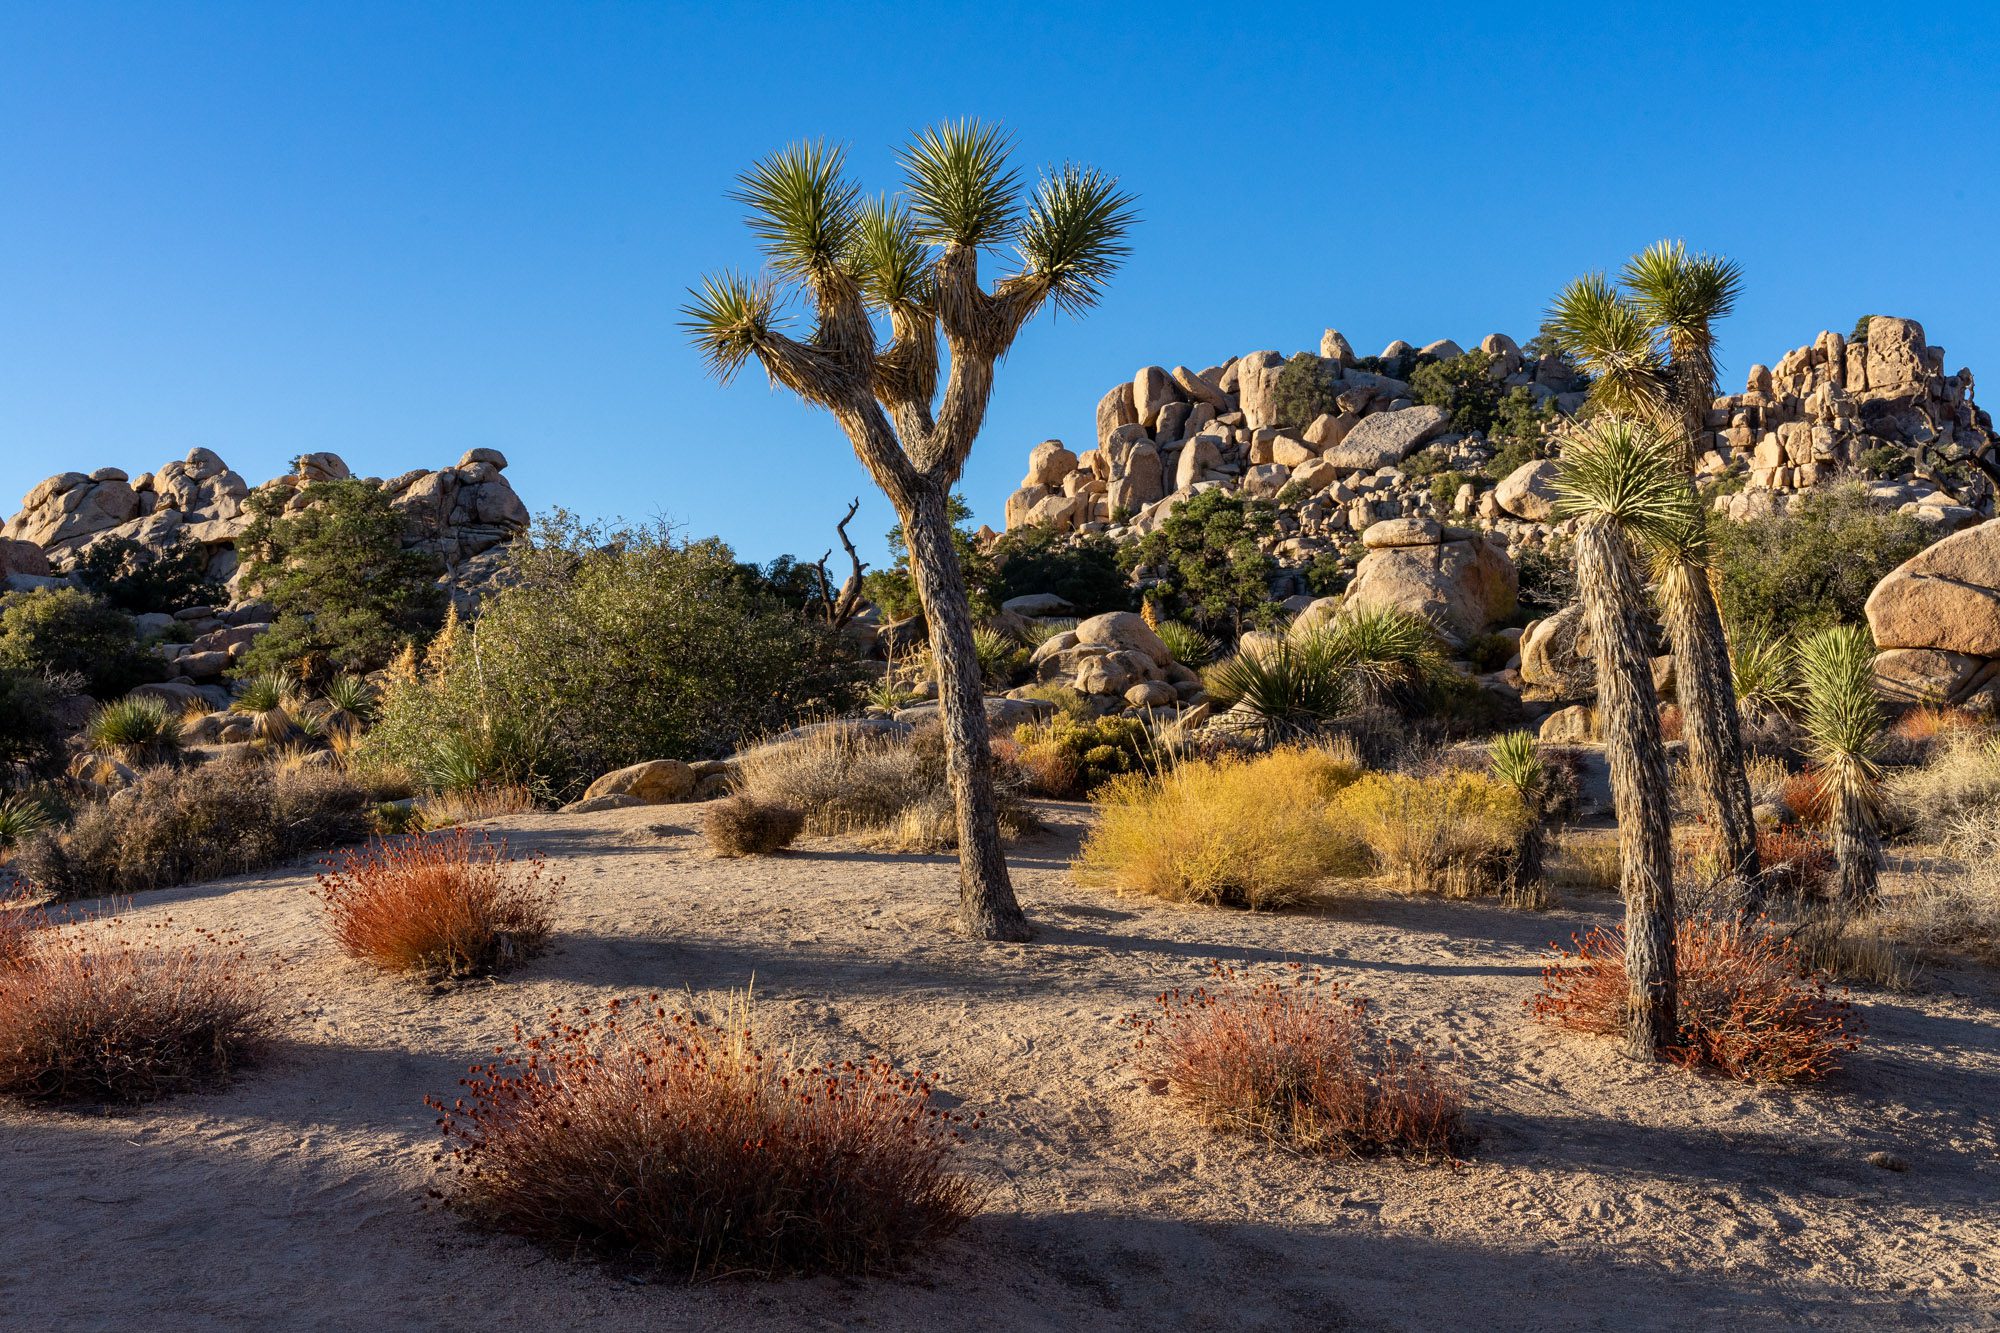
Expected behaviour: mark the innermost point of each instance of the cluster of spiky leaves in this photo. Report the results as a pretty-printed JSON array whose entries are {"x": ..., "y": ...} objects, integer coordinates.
[
  {"x": 1649, "y": 339},
  {"x": 1626, "y": 470},
  {"x": 1842, "y": 716},
  {"x": 1517, "y": 761},
  {"x": 959, "y": 194},
  {"x": 1294, "y": 687}
]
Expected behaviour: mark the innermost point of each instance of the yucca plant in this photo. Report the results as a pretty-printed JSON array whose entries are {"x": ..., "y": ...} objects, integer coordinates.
[
  {"x": 350, "y": 704},
  {"x": 1394, "y": 655},
  {"x": 1190, "y": 647},
  {"x": 1041, "y": 631},
  {"x": 1517, "y": 761},
  {"x": 1706, "y": 691},
  {"x": 1000, "y": 656},
  {"x": 1843, "y": 729},
  {"x": 1766, "y": 671},
  {"x": 1681, "y": 296},
  {"x": 20, "y": 816},
  {"x": 913, "y": 264},
  {"x": 1288, "y": 691},
  {"x": 270, "y": 698},
  {"x": 1620, "y": 480},
  {"x": 137, "y": 731}
]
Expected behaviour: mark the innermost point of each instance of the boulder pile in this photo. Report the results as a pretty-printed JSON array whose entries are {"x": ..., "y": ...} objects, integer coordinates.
[{"x": 1936, "y": 620}]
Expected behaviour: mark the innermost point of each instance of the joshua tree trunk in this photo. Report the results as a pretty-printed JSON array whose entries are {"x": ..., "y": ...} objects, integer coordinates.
[
  {"x": 1857, "y": 849},
  {"x": 1612, "y": 596},
  {"x": 987, "y": 908},
  {"x": 1525, "y": 873},
  {"x": 1711, "y": 725}
]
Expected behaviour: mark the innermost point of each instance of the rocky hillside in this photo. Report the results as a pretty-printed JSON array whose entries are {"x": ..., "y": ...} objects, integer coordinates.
[{"x": 459, "y": 513}]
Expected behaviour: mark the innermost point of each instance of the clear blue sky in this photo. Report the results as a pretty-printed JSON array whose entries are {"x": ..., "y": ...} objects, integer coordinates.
[{"x": 397, "y": 231}]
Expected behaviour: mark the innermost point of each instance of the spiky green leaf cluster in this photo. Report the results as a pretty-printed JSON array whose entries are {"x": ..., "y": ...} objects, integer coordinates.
[
  {"x": 728, "y": 318},
  {"x": 1073, "y": 237},
  {"x": 1286, "y": 691},
  {"x": 803, "y": 209},
  {"x": 962, "y": 192},
  {"x": 135, "y": 728},
  {"x": 1842, "y": 716},
  {"x": 1603, "y": 332},
  {"x": 1516, "y": 760},
  {"x": 1627, "y": 471},
  {"x": 1765, "y": 669}
]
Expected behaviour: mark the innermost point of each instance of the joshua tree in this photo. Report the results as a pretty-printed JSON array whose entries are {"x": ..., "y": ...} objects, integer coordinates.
[
  {"x": 912, "y": 264},
  {"x": 1517, "y": 762},
  {"x": 1843, "y": 726},
  {"x": 1651, "y": 347},
  {"x": 1622, "y": 483}
]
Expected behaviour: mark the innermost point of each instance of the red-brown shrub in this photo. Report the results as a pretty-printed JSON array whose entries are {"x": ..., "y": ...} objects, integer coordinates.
[
  {"x": 1927, "y": 723},
  {"x": 1300, "y": 1063},
  {"x": 649, "y": 1133},
  {"x": 90, "y": 1015},
  {"x": 1672, "y": 723},
  {"x": 1805, "y": 796},
  {"x": 1749, "y": 1007},
  {"x": 1797, "y": 862},
  {"x": 19, "y": 920},
  {"x": 443, "y": 904}
]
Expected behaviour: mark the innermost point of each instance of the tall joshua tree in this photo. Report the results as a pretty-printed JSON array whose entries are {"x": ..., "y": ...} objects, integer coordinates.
[
  {"x": 1843, "y": 726},
  {"x": 1621, "y": 481},
  {"x": 911, "y": 266},
  {"x": 1651, "y": 346}
]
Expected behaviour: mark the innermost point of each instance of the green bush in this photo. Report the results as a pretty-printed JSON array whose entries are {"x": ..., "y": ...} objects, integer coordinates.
[
  {"x": 1210, "y": 565},
  {"x": 1518, "y": 421},
  {"x": 348, "y": 595},
  {"x": 1084, "y": 571},
  {"x": 65, "y": 632},
  {"x": 1464, "y": 386},
  {"x": 1001, "y": 656},
  {"x": 1813, "y": 565},
  {"x": 1306, "y": 391},
  {"x": 1070, "y": 756},
  {"x": 30, "y": 737},
  {"x": 131, "y": 576},
  {"x": 612, "y": 648},
  {"x": 1444, "y": 489}
]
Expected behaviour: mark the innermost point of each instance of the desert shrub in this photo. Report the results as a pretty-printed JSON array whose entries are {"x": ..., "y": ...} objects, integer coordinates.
[
  {"x": 1519, "y": 423},
  {"x": 64, "y": 632},
  {"x": 1001, "y": 656},
  {"x": 1084, "y": 570},
  {"x": 1805, "y": 795},
  {"x": 443, "y": 905},
  {"x": 1207, "y": 563},
  {"x": 133, "y": 576},
  {"x": 349, "y": 596},
  {"x": 1464, "y": 387},
  {"x": 31, "y": 737},
  {"x": 272, "y": 702},
  {"x": 346, "y": 707},
  {"x": 641, "y": 1133},
  {"x": 743, "y": 826},
  {"x": 609, "y": 649},
  {"x": 21, "y": 815},
  {"x": 1490, "y": 652},
  {"x": 1068, "y": 700},
  {"x": 1813, "y": 565},
  {"x": 177, "y": 826},
  {"x": 99, "y": 1015},
  {"x": 1236, "y": 833},
  {"x": 468, "y": 805},
  {"x": 1797, "y": 864},
  {"x": 1069, "y": 756},
  {"x": 1949, "y": 911},
  {"x": 1587, "y": 860},
  {"x": 1307, "y": 389},
  {"x": 1286, "y": 692},
  {"x": 135, "y": 730},
  {"x": 1547, "y": 582},
  {"x": 1297, "y": 1062},
  {"x": 1749, "y": 1008},
  {"x": 1451, "y": 832},
  {"x": 893, "y": 791}
]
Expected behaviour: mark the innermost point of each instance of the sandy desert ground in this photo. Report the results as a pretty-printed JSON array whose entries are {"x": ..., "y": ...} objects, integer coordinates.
[{"x": 1598, "y": 1194}]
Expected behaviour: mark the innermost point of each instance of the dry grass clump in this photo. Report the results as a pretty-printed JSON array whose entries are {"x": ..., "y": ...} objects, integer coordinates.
[
  {"x": 1587, "y": 859},
  {"x": 1451, "y": 832},
  {"x": 1798, "y": 861},
  {"x": 174, "y": 827},
  {"x": 91, "y": 1015},
  {"x": 1750, "y": 1007},
  {"x": 892, "y": 791},
  {"x": 1299, "y": 1063},
  {"x": 1238, "y": 833},
  {"x": 652, "y": 1134},
  {"x": 445, "y": 905},
  {"x": 469, "y": 805},
  {"x": 744, "y": 826},
  {"x": 1960, "y": 779}
]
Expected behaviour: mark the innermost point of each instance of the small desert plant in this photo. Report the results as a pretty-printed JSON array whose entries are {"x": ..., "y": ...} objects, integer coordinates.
[
  {"x": 92, "y": 1014},
  {"x": 271, "y": 699},
  {"x": 1749, "y": 1007},
  {"x": 1395, "y": 656},
  {"x": 1452, "y": 832},
  {"x": 177, "y": 826},
  {"x": 744, "y": 826},
  {"x": 1001, "y": 656},
  {"x": 640, "y": 1132},
  {"x": 136, "y": 731},
  {"x": 1223, "y": 832},
  {"x": 1041, "y": 631},
  {"x": 1588, "y": 860},
  {"x": 1067, "y": 756},
  {"x": 469, "y": 805},
  {"x": 443, "y": 905},
  {"x": 1068, "y": 700},
  {"x": 20, "y": 816},
  {"x": 1287, "y": 692},
  {"x": 1843, "y": 727},
  {"x": 1298, "y": 1062},
  {"x": 1189, "y": 645},
  {"x": 1765, "y": 671},
  {"x": 1804, "y": 795},
  {"x": 350, "y": 704},
  {"x": 1517, "y": 762}
]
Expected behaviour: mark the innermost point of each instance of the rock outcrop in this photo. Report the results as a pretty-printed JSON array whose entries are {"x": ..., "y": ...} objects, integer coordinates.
[
  {"x": 1936, "y": 618},
  {"x": 1454, "y": 577}
]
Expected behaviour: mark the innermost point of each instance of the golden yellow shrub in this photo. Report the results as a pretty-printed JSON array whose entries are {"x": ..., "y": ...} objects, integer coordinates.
[
  {"x": 1449, "y": 832},
  {"x": 1239, "y": 833}
]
